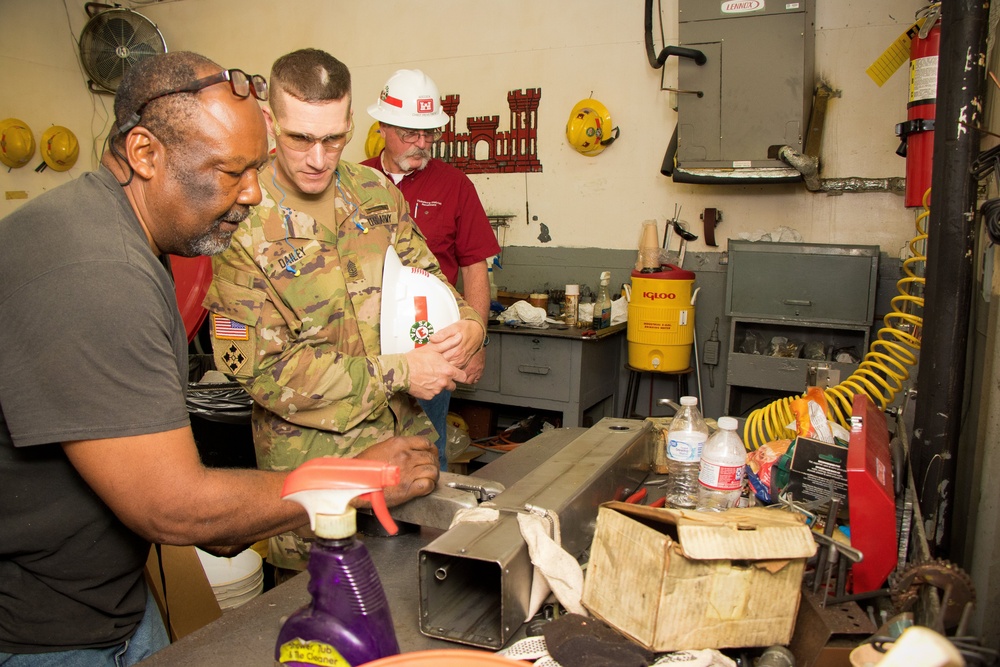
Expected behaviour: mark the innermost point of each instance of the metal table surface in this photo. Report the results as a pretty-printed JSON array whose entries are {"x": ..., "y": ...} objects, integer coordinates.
[{"x": 246, "y": 635}]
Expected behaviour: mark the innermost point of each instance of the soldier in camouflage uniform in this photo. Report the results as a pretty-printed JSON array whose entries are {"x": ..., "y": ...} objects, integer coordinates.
[{"x": 296, "y": 300}]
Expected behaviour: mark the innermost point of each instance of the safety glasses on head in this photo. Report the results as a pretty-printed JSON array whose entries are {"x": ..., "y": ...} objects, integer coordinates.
[
  {"x": 300, "y": 142},
  {"x": 241, "y": 83}
]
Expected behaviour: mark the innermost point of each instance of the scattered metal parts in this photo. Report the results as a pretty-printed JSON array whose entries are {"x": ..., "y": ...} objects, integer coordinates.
[
  {"x": 823, "y": 555},
  {"x": 974, "y": 653},
  {"x": 483, "y": 490},
  {"x": 860, "y": 597},
  {"x": 435, "y": 510},
  {"x": 905, "y": 515},
  {"x": 955, "y": 586},
  {"x": 847, "y": 550},
  {"x": 807, "y": 508}
]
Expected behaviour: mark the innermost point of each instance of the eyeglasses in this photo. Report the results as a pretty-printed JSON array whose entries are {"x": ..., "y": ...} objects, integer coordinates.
[
  {"x": 300, "y": 143},
  {"x": 411, "y": 136},
  {"x": 241, "y": 83}
]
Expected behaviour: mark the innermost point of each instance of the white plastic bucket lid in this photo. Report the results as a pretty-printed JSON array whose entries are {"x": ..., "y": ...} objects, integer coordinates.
[{"x": 233, "y": 572}]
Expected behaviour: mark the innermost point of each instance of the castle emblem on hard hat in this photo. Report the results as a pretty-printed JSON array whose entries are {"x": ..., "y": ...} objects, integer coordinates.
[
  {"x": 425, "y": 105},
  {"x": 421, "y": 332}
]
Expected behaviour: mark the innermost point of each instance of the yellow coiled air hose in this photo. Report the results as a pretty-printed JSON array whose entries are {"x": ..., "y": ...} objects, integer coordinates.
[{"x": 884, "y": 369}]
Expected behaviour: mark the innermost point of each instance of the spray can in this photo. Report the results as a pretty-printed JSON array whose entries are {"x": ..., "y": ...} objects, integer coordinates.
[
  {"x": 347, "y": 621},
  {"x": 571, "y": 302}
]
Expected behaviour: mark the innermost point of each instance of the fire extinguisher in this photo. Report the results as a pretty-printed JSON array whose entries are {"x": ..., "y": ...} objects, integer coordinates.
[{"x": 917, "y": 133}]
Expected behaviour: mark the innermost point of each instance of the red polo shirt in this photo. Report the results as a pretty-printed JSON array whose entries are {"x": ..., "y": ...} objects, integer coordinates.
[{"x": 444, "y": 204}]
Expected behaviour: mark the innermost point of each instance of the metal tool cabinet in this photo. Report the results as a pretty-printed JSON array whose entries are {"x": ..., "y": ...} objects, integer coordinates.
[
  {"x": 807, "y": 292},
  {"x": 550, "y": 369}
]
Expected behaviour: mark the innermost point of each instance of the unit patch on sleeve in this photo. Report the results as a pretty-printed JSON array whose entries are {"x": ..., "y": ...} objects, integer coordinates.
[
  {"x": 227, "y": 329},
  {"x": 232, "y": 358}
]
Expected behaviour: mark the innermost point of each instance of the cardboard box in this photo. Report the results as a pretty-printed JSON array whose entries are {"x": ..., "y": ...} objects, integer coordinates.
[
  {"x": 680, "y": 579},
  {"x": 190, "y": 602}
]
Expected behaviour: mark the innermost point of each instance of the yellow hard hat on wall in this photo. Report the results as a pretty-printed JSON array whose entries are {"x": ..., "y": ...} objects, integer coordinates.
[
  {"x": 17, "y": 143},
  {"x": 589, "y": 130},
  {"x": 375, "y": 142},
  {"x": 59, "y": 148}
]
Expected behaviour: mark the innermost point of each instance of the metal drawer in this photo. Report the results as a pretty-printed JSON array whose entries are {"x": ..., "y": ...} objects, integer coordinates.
[
  {"x": 536, "y": 367},
  {"x": 776, "y": 373},
  {"x": 491, "y": 372},
  {"x": 802, "y": 282}
]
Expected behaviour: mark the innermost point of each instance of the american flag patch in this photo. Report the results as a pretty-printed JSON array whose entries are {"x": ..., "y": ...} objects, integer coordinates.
[{"x": 223, "y": 327}]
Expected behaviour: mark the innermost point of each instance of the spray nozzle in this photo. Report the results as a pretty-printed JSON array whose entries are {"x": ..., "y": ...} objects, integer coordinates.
[{"x": 326, "y": 486}]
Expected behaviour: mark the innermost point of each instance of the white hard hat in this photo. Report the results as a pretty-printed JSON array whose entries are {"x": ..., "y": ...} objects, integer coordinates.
[
  {"x": 415, "y": 304},
  {"x": 409, "y": 99}
]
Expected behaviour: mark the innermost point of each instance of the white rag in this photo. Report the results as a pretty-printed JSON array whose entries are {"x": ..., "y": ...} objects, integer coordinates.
[
  {"x": 555, "y": 570},
  {"x": 619, "y": 311},
  {"x": 522, "y": 312}
]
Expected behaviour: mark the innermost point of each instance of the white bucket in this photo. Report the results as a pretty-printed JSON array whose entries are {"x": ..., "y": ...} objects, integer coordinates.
[{"x": 235, "y": 581}]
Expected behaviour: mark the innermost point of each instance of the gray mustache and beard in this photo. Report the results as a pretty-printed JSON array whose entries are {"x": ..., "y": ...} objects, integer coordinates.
[
  {"x": 215, "y": 240},
  {"x": 402, "y": 162}
]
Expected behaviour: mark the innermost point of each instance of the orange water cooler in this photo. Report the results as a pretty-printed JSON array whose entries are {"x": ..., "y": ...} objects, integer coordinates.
[{"x": 661, "y": 320}]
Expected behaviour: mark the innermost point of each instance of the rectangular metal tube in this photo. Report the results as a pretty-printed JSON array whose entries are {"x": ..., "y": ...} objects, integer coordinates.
[{"x": 475, "y": 579}]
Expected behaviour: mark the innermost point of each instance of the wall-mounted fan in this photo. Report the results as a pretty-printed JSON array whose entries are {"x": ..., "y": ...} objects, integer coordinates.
[{"x": 114, "y": 39}]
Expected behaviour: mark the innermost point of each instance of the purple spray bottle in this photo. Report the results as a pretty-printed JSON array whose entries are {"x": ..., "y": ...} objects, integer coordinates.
[{"x": 347, "y": 622}]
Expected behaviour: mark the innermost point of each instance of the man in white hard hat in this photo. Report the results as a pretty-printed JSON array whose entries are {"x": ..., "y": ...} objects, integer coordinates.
[
  {"x": 296, "y": 298},
  {"x": 442, "y": 200}
]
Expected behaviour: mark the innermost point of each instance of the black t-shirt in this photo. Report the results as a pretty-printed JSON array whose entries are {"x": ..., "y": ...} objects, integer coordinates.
[{"x": 91, "y": 346}]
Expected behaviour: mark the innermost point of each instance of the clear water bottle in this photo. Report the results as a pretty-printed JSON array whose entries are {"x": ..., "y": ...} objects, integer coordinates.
[
  {"x": 723, "y": 468},
  {"x": 602, "y": 307},
  {"x": 685, "y": 439}
]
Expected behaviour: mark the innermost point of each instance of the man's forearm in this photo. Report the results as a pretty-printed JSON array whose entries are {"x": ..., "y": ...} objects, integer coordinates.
[{"x": 476, "y": 288}]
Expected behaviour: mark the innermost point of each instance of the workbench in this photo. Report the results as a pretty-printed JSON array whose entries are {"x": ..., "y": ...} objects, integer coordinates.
[
  {"x": 558, "y": 369},
  {"x": 246, "y": 635}
]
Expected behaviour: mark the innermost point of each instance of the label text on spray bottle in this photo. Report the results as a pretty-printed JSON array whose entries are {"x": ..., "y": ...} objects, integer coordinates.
[{"x": 301, "y": 653}]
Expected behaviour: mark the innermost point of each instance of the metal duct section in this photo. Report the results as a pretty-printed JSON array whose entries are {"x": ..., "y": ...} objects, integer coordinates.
[{"x": 475, "y": 579}]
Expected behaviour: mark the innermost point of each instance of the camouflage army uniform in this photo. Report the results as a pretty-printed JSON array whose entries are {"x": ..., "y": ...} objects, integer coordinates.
[{"x": 295, "y": 309}]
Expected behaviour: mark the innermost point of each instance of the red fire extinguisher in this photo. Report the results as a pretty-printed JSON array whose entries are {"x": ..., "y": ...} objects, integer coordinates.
[{"x": 917, "y": 133}]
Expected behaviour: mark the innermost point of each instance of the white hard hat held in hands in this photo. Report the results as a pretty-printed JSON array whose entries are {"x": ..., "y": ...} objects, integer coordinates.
[{"x": 409, "y": 99}]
